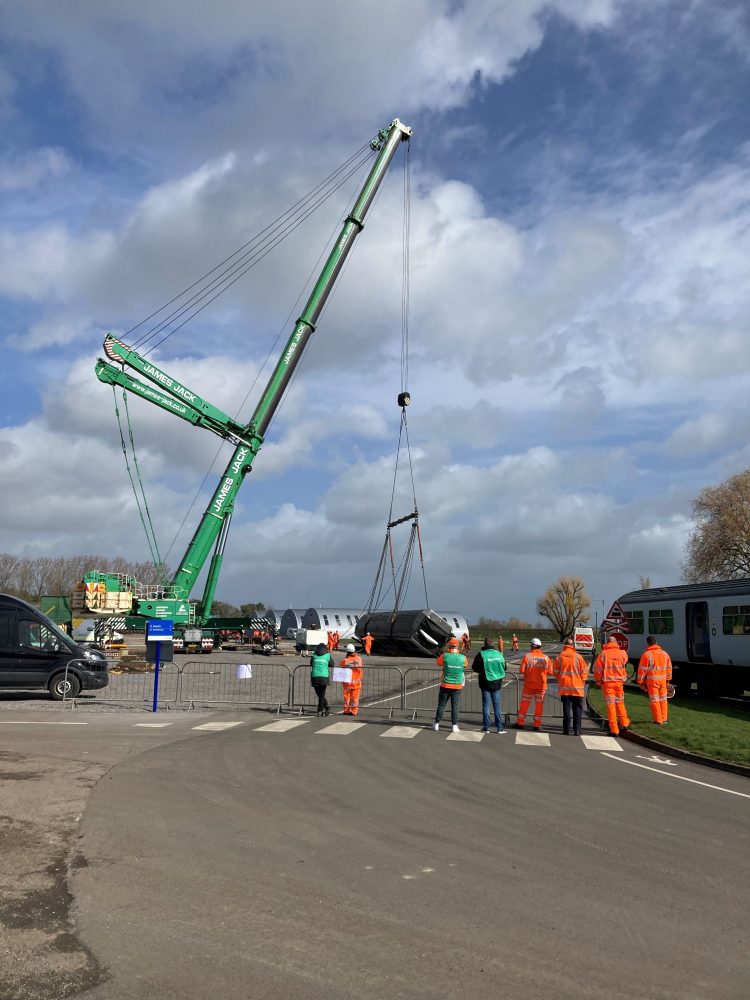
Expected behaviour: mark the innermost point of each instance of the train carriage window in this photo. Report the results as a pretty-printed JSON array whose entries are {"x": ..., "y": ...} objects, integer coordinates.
[
  {"x": 635, "y": 621},
  {"x": 661, "y": 621},
  {"x": 349, "y": 619},
  {"x": 736, "y": 619},
  {"x": 338, "y": 620},
  {"x": 325, "y": 619}
]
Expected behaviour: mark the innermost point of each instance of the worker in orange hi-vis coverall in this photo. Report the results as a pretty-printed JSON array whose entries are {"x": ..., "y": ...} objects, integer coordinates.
[
  {"x": 654, "y": 673},
  {"x": 610, "y": 673},
  {"x": 367, "y": 641},
  {"x": 535, "y": 668},
  {"x": 465, "y": 643},
  {"x": 571, "y": 671},
  {"x": 352, "y": 690},
  {"x": 331, "y": 643},
  {"x": 500, "y": 644},
  {"x": 514, "y": 642}
]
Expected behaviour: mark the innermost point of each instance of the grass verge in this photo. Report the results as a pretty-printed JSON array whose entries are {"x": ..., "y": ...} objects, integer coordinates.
[{"x": 704, "y": 727}]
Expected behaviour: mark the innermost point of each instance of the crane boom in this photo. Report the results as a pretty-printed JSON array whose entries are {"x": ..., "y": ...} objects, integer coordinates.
[{"x": 171, "y": 601}]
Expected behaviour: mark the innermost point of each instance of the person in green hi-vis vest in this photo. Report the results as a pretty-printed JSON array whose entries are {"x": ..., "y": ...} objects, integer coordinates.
[
  {"x": 489, "y": 663},
  {"x": 454, "y": 666},
  {"x": 320, "y": 666}
]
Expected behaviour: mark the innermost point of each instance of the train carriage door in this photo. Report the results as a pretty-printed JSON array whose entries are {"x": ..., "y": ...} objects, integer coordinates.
[{"x": 697, "y": 631}]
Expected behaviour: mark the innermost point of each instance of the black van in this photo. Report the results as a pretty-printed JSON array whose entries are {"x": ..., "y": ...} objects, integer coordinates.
[{"x": 34, "y": 653}]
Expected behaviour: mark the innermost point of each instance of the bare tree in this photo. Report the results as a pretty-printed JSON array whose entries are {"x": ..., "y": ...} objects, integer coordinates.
[
  {"x": 719, "y": 546},
  {"x": 564, "y": 605},
  {"x": 645, "y": 582},
  {"x": 8, "y": 572}
]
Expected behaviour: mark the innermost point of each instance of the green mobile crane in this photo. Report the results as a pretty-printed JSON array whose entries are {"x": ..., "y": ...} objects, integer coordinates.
[{"x": 115, "y": 593}]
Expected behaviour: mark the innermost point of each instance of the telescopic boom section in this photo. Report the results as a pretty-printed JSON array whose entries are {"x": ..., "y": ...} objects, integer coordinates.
[{"x": 241, "y": 462}]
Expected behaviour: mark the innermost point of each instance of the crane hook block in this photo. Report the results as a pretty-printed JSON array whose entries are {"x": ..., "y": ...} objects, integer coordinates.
[{"x": 404, "y": 399}]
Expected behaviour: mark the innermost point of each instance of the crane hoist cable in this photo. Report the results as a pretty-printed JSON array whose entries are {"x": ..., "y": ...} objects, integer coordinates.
[
  {"x": 142, "y": 504},
  {"x": 400, "y": 574},
  {"x": 208, "y": 287}
]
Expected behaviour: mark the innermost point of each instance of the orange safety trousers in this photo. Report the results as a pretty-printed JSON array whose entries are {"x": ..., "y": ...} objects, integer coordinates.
[
  {"x": 657, "y": 698},
  {"x": 614, "y": 699},
  {"x": 351, "y": 697},
  {"x": 523, "y": 707}
]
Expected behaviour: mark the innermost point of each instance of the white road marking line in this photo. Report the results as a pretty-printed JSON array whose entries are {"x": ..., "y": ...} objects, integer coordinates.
[
  {"x": 215, "y": 727},
  {"x": 532, "y": 739},
  {"x": 340, "y": 729},
  {"x": 680, "y": 777},
  {"x": 151, "y": 725},
  {"x": 601, "y": 743},
  {"x": 466, "y": 737},
  {"x": 403, "y": 732},
  {"x": 428, "y": 870},
  {"x": 24, "y": 722},
  {"x": 282, "y": 726}
]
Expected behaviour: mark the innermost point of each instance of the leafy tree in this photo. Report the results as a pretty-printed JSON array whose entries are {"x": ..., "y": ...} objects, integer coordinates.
[
  {"x": 564, "y": 605},
  {"x": 719, "y": 545},
  {"x": 247, "y": 610}
]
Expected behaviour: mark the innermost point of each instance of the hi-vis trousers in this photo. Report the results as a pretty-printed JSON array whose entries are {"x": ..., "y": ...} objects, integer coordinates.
[
  {"x": 614, "y": 699},
  {"x": 523, "y": 707},
  {"x": 657, "y": 699},
  {"x": 351, "y": 697}
]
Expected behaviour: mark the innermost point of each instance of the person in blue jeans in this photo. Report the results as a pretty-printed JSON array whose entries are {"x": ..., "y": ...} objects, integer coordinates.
[{"x": 489, "y": 664}]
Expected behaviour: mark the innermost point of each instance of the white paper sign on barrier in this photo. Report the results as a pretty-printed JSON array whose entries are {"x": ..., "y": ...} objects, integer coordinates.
[
  {"x": 342, "y": 675},
  {"x": 244, "y": 671}
]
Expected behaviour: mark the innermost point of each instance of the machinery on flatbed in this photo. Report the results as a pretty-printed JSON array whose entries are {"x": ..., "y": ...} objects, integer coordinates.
[{"x": 102, "y": 593}]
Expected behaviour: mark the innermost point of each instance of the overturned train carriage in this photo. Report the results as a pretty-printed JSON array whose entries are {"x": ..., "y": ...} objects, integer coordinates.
[{"x": 409, "y": 633}]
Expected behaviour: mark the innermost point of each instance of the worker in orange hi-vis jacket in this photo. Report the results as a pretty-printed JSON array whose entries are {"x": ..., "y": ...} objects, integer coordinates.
[
  {"x": 535, "y": 668},
  {"x": 367, "y": 641},
  {"x": 514, "y": 642},
  {"x": 610, "y": 673},
  {"x": 571, "y": 671},
  {"x": 331, "y": 643},
  {"x": 654, "y": 673},
  {"x": 465, "y": 643},
  {"x": 500, "y": 644},
  {"x": 353, "y": 689}
]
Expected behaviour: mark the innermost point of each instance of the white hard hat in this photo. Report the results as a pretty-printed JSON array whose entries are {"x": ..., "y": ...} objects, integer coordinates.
[
  {"x": 536, "y": 642},
  {"x": 350, "y": 648}
]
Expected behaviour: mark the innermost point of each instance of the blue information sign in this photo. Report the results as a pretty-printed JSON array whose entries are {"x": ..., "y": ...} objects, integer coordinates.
[{"x": 160, "y": 630}]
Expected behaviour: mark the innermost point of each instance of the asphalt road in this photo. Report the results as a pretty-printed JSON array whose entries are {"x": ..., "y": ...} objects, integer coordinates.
[{"x": 249, "y": 863}]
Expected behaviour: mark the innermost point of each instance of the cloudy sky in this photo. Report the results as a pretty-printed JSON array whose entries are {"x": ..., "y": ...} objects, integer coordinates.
[{"x": 579, "y": 302}]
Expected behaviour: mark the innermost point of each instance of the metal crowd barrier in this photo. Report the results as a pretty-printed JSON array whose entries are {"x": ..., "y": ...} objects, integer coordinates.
[
  {"x": 382, "y": 689},
  {"x": 208, "y": 682},
  {"x": 137, "y": 687}
]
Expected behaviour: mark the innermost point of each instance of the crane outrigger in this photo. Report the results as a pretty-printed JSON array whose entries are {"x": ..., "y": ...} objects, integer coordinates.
[{"x": 115, "y": 593}]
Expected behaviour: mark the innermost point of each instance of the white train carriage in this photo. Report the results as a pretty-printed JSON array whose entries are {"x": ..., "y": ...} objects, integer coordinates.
[
  {"x": 457, "y": 623},
  {"x": 704, "y": 627}
]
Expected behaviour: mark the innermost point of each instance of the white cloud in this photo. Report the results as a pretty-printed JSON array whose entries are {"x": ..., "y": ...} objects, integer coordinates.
[{"x": 30, "y": 169}]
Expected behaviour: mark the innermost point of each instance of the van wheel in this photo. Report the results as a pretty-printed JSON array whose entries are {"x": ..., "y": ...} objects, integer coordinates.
[{"x": 59, "y": 689}]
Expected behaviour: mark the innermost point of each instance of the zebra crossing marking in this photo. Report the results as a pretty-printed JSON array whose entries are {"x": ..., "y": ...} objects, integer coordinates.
[
  {"x": 466, "y": 737},
  {"x": 215, "y": 727},
  {"x": 340, "y": 729},
  {"x": 403, "y": 732},
  {"x": 282, "y": 726},
  {"x": 601, "y": 743},
  {"x": 532, "y": 739}
]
